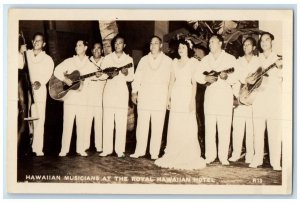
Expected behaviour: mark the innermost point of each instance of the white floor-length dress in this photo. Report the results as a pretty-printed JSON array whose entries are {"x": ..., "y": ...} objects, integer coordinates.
[{"x": 183, "y": 149}]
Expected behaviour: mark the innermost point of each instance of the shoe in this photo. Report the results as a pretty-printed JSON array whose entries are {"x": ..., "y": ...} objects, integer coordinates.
[
  {"x": 154, "y": 157},
  {"x": 121, "y": 155},
  {"x": 233, "y": 159},
  {"x": 61, "y": 154},
  {"x": 82, "y": 153},
  {"x": 39, "y": 154},
  {"x": 277, "y": 168},
  {"x": 225, "y": 163},
  {"x": 246, "y": 161},
  {"x": 254, "y": 165},
  {"x": 208, "y": 161},
  {"x": 135, "y": 156},
  {"x": 103, "y": 154}
]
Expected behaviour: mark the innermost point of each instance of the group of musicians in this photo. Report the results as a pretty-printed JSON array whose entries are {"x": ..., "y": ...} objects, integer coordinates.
[{"x": 104, "y": 98}]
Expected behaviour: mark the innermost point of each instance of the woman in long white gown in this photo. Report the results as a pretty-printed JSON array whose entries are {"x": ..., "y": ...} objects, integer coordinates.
[{"x": 183, "y": 149}]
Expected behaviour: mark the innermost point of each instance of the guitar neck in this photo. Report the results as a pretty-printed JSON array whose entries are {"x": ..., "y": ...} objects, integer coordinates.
[
  {"x": 126, "y": 66},
  {"x": 229, "y": 70},
  {"x": 82, "y": 77},
  {"x": 267, "y": 69}
]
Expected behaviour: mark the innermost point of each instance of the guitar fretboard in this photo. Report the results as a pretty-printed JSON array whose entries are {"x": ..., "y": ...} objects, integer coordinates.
[
  {"x": 230, "y": 70},
  {"x": 94, "y": 73},
  {"x": 88, "y": 75},
  {"x": 267, "y": 69}
]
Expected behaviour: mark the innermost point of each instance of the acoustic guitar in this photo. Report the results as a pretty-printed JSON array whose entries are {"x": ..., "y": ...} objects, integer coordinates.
[
  {"x": 248, "y": 91},
  {"x": 58, "y": 89}
]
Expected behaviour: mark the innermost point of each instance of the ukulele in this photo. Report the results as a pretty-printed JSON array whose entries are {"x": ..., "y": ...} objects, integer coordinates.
[{"x": 216, "y": 74}]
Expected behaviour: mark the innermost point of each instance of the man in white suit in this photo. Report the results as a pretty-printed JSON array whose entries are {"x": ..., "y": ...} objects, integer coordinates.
[
  {"x": 75, "y": 102},
  {"x": 150, "y": 93},
  {"x": 40, "y": 67},
  {"x": 95, "y": 86},
  {"x": 267, "y": 107},
  {"x": 242, "y": 115},
  {"x": 218, "y": 100},
  {"x": 115, "y": 99}
]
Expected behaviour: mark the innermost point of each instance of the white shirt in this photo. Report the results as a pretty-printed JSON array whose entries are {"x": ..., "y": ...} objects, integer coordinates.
[
  {"x": 245, "y": 68},
  {"x": 219, "y": 95},
  {"x": 151, "y": 81},
  {"x": 40, "y": 67},
  {"x": 97, "y": 67},
  {"x": 67, "y": 67},
  {"x": 21, "y": 61},
  {"x": 274, "y": 79},
  {"x": 94, "y": 85},
  {"x": 116, "y": 90}
]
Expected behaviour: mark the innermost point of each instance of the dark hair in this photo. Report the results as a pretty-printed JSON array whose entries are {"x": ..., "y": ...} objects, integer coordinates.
[
  {"x": 91, "y": 49},
  {"x": 97, "y": 42},
  {"x": 85, "y": 43},
  {"x": 262, "y": 34},
  {"x": 220, "y": 38},
  {"x": 38, "y": 34},
  {"x": 189, "y": 49},
  {"x": 113, "y": 41},
  {"x": 199, "y": 46},
  {"x": 157, "y": 37},
  {"x": 251, "y": 39},
  {"x": 267, "y": 33}
]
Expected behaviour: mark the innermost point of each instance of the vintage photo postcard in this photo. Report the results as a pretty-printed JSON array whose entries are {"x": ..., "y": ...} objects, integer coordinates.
[{"x": 134, "y": 101}]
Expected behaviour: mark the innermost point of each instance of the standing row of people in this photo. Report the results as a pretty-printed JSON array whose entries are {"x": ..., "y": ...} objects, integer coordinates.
[
  {"x": 160, "y": 83},
  {"x": 86, "y": 104}
]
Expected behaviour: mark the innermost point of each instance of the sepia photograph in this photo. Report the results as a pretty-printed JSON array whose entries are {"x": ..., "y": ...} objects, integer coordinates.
[{"x": 150, "y": 101}]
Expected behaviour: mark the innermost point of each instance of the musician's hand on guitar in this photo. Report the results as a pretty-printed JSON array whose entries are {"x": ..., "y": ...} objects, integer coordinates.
[
  {"x": 251, "y": 79},
  {"x": 211, "y": 79},
  {"x": 99, "y": 74},
  {"x": 134, "y": 98},
  {"x": 124, "y": 71},
  {"x": 223, "y": 75},
  {"x": 68, "y": 81},
  {"x": 114, "y": 73}
]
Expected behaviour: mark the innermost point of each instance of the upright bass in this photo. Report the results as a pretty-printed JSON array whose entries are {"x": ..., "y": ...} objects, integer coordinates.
[{"x": 25, "y": 104}]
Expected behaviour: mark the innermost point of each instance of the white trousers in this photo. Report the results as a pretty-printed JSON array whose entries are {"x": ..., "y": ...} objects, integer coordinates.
[
  {"x": 142, "y": 131},
  {"x": 242, "y": 116},
  {"x": 71, "y": 112},
  {"x": 223, "y": 123},
  {"x": 274, "y": 139},
  {"x": 38, "y": 110},
  {"x": 95, "y": 112},
  {"x": 267, "y": 114},
  {"x": 114, "y": 118}
]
